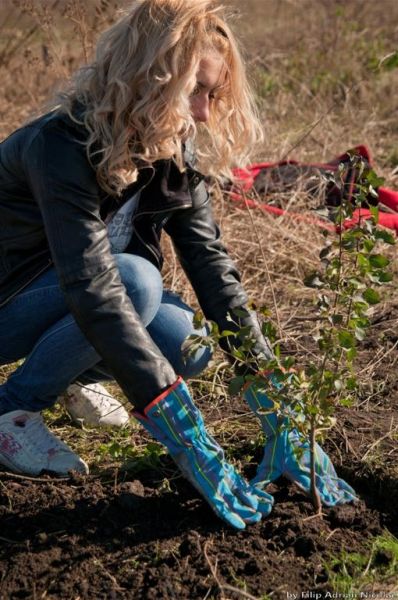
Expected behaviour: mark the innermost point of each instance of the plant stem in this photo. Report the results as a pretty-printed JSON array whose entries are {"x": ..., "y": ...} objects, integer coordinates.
[{"x": 316, "y": 500}]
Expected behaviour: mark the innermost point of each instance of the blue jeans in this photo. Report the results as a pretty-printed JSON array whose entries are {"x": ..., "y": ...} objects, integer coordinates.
[{"x": 36, "y": 324}]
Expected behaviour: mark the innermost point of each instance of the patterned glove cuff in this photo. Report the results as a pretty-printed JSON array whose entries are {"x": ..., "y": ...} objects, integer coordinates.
[{"x": 158, "y": 399}]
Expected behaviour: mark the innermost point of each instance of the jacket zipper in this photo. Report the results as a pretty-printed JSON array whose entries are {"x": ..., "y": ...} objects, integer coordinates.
[
  {"x": 154, "y": 212},
  {"x": 35, "y": 276}
]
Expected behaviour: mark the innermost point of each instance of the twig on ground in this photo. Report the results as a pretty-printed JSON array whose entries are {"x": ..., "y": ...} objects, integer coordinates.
[
  {"x": 379, "y": 440},
  {"x": 348, "y": 444},
  {"x": 3, "y": 539},
  {"x": 372, "y": 365},
  {"x": 318, "y": 515},
  {"x": 38, "y": 479},
  {"x": 331, "y": 534},
  {"x": 118, "y": 588},
  {"x": 223, "y": 586}
]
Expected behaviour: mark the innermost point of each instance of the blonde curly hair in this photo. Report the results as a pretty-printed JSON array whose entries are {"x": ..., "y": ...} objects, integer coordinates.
[{"x": 135, "y": 96}]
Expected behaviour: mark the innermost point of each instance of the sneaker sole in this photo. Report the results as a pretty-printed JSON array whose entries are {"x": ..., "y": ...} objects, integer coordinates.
[{"x": 13, "y": 469}]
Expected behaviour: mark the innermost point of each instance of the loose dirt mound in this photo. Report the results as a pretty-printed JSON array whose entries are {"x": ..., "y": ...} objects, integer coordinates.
[{"x": 89, "y": 539}]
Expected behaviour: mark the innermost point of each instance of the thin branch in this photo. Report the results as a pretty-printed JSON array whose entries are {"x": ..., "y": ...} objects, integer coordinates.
[
  {"x": 379, "y": 440},
  {"x": 224, "y": 586},
  {"x": 27, "y": 478}
]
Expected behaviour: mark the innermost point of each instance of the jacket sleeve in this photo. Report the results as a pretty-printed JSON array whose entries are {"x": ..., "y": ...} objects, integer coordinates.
[
  {"x": 212, "y": 273},
  {"x": 65, "y": 188}
]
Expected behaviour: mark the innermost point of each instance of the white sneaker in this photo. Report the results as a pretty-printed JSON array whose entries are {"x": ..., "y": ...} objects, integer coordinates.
[
  {"x": 92, "y": 405},
  {"x": 28, "y": 446}
]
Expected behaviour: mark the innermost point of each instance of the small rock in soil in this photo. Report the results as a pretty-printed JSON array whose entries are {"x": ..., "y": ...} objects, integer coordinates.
[
  {"x": 133, "y": 487},
  {"x": 131, "y": 494},
  {"x": 258, "y": 545}
]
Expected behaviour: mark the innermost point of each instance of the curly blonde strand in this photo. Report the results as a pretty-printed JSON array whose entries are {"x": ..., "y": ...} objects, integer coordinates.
[{"x": 135, "y": 95}]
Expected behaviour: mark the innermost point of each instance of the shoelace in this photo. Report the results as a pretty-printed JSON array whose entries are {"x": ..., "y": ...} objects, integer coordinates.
[{"x": 105, "y": 400}]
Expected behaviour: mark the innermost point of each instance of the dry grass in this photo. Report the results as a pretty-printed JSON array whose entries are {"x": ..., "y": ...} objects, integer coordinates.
[{"x": 314, "y": 64}]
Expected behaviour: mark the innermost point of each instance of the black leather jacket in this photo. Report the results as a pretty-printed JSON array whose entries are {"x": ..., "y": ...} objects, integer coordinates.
[{"x": 51, "y": 213}]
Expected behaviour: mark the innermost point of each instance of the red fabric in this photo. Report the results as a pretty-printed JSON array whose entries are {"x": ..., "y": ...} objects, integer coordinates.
[
  {"x": 388, "y": 198},
  {"x": 158, "y": 399},
  {"x": 279, "y": 211},
  {"x": 245, "y": 180},
  {"x": 385, "y": 219}
]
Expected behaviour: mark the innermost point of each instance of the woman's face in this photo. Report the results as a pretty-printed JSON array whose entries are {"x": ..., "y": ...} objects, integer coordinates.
[{"x": 209, "y": 78}]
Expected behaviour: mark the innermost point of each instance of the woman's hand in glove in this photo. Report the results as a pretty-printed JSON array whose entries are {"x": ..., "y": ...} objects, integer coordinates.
[
  {"x": 174, "y": 420},
  {"x": 288, "y": 455}
]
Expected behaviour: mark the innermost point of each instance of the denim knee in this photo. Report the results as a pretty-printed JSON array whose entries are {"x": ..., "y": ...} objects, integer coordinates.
[
  {"x": 169, "y": 330},
  {"x": 143, "y": 283}
]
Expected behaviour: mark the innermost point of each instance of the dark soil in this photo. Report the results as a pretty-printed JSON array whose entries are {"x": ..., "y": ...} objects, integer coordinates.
[
  {"x": 117, "y": 535},
  {"x": 87, "y": 539}
]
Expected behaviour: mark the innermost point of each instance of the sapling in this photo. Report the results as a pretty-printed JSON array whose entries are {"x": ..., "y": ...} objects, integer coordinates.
[{"x": 352, "y": 268}]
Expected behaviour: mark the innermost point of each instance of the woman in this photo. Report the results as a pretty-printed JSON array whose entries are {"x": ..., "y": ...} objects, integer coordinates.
[{"x": 85, "y": 192}]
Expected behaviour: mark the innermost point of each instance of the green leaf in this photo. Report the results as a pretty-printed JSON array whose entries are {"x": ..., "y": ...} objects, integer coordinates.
[
  {"x": 371, "y": 296},
  {"x": 355, "y": 283},
  {"x": 199, "y": 320},
  {"x": 359, "y": 305},
  {"x": 378, "y": 261},
  {"x": 235, "y": 385},
  {"x": 390, "y": 61},
  {"x": 288, "y": 362},
  {"x": 236, "y": 353},
  {"x": 385, "y": 277},
  {"x": 373, "y": 179},
  {"x": 374, "y": 211},
  {"x": 264, "y": 311},
  {"x": 351, "y": 383},
  {"x": 385, "y": 236},
  {"x": 214, "y": 329},
  {"x": 361, "y": 322},
  {"x": 374, "y": 277},
  {"x": 351, "y": 354},
  {"x": 360, "y": 334},
  {"x": 346, "y": 339},
  {"x": 369, "y": 226},
  {"x": 363, "y": 261},
  {"x": 245, "y": 332},
  {"x": 269, "y": 331},
  {"x": 239, "y": 312},
  {"x": 337, "y": 319},
  {"x": 369, "y": 245},
  {"x": 228, "y": 333},
  {"x": 348, "y": 402}
]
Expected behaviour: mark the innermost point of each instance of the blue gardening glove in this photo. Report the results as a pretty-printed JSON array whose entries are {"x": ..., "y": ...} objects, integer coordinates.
[
  {"x": 174, "y": 420},
  {"x": 286, "y": 454}
]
